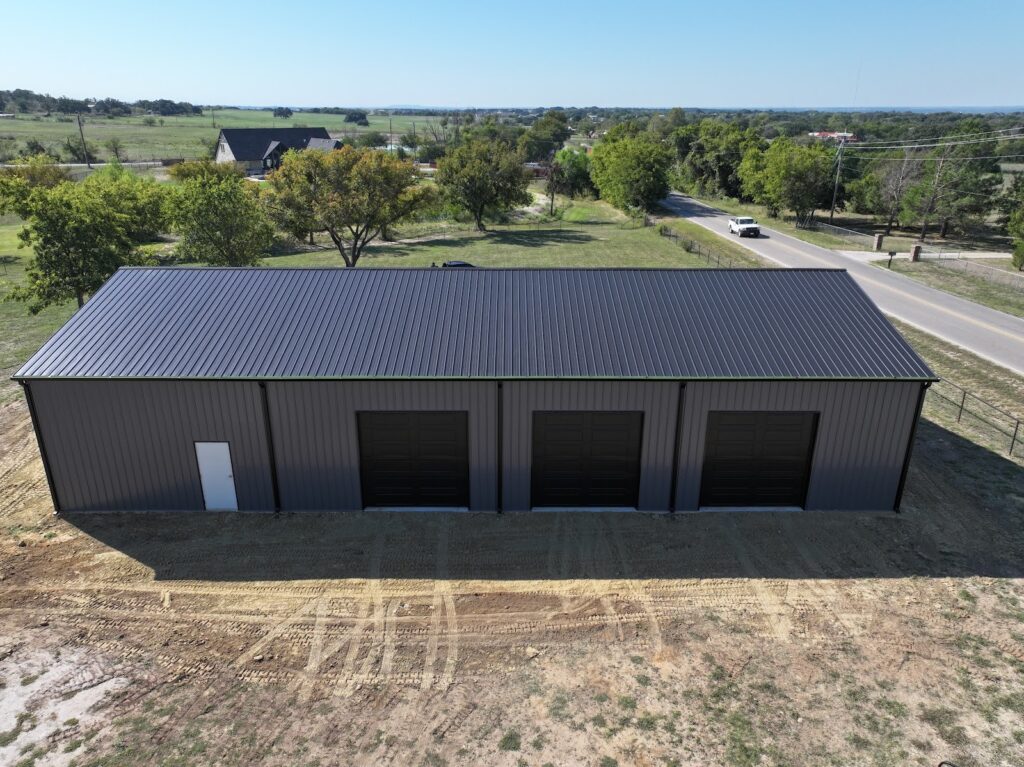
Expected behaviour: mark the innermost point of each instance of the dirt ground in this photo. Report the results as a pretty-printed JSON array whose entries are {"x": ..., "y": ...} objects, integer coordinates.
[{"x": 529, "y": 639}]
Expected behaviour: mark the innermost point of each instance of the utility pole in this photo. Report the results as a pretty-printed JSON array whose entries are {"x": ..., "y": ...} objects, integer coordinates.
[
  {"x": 391, "y": 136},
  {"x": 835, "y": 188},
  {"x": 85, "y": 147}
]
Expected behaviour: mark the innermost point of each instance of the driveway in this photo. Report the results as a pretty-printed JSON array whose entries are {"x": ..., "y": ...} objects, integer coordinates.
[{"x": 994, "y": 335}]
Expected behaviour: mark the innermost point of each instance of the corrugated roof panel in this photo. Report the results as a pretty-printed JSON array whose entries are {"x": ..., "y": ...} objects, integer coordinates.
[{"x": 478, "y": 323}]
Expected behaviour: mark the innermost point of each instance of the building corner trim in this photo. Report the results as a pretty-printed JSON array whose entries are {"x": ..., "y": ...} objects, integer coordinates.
[
  {"x": 38, "y": 429},
  {"x": 910, "y": 447}
]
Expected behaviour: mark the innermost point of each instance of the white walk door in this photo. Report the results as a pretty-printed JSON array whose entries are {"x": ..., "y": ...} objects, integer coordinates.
[{"x": 214, "y": 459}]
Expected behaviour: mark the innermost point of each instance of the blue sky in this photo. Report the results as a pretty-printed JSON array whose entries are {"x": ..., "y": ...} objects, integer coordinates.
[{"x": 523, "y": 53}]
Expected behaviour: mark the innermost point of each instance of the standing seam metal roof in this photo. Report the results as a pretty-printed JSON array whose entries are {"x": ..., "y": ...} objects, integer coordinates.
[{"x": 267, "y": 323}]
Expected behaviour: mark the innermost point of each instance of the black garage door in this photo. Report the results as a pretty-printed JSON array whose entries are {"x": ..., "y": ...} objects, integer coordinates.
[
  {"x": 586, "y": 458},
  {"x": 414, "y": 458},
  {"x": 757, "y": 458}
]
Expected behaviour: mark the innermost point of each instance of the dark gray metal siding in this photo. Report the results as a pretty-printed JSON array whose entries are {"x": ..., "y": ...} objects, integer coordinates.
[
  {"x": 128, "y": 445},
  {"x": 317, "y": 445},
  {"x": 478, "y": 323},
  {"x": 862, "y": 436},
  {"x": 657, "y": 400}
]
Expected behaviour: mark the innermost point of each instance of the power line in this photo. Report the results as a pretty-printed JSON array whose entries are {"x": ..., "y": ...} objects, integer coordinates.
[
  {"x": 989, "y": 140},
  {"x": 948, "y": 159},
  {"x": 951, "y": 137}
]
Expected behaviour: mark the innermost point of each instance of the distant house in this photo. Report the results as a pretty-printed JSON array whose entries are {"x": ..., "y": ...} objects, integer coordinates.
[
  {"x": 831, "y": 135},
  {"x": 258, "y": 150}
]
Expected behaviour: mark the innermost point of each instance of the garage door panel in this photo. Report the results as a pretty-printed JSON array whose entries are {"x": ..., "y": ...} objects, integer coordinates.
[
  {"x": 414, "y": 458},
  {"x": 757, "y": 458},
  {"x": 586, "y": 458}
]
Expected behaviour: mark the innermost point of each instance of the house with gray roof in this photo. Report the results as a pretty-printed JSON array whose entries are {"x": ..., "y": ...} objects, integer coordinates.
[{"x": 259, "y": 150}]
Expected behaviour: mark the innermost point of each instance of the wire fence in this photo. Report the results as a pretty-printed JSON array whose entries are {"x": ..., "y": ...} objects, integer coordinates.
[
  {"x": 988, "y": 273},
  {"x": 1004, "y": 428},
  {"x": 712, "y": 258},
  {"x": 860, "y": 239}
]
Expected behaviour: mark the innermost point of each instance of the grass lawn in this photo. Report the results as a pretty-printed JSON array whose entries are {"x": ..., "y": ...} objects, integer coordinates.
[
  {"x": 187, "y": 137},
  {"x": 1005, "y": 298},
  {"x": 591, "y": 233}
]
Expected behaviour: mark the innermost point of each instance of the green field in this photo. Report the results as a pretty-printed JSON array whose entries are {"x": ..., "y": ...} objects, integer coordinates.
[
  {"x": 1005, "y": 298},
  {"x": 187, "y": 137}
]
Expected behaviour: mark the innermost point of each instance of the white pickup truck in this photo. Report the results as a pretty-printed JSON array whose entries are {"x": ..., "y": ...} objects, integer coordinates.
[{"x": 744, "y": 226}]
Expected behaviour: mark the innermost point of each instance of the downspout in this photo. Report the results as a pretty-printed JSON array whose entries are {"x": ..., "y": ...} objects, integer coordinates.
[
  {"x": 675, "y": 449},
  {"x": 271, "y": 455},
  {"x": 501, "y": 438}
]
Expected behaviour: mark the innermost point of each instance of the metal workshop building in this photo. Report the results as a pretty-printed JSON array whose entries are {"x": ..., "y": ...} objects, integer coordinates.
[{"x": 486, "y": 389}]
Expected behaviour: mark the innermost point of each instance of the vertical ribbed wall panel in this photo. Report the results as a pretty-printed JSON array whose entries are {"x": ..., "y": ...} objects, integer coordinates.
[
  {"x": 863, "y": 431},
  {"x": 128, "y": 445},
  {"x": 657, "y": 401},
  {"x": 317, "y": 445}
]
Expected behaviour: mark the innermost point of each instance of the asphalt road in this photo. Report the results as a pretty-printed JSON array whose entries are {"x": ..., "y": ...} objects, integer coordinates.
[{"x": 994, "y": 335}]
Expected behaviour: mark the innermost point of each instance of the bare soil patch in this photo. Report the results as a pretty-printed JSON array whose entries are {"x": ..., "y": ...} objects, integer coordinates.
[{"x": 564, "y": 639}]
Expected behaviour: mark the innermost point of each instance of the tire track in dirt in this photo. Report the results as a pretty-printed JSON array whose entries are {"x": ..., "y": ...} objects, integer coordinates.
[
  {"x": 443, "y": 600},
  {"x": 828, "y": 597},
  {"x": 370, "y": 615},
  {"x": 297, "y": 616},
  {"x": 775, "y": 611},
  {"x": 640, "y": 594},
  {"x": 588, "y": 545}
]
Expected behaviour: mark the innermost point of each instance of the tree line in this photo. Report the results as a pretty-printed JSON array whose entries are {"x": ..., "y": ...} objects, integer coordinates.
[{"x": 26, "y": 101}]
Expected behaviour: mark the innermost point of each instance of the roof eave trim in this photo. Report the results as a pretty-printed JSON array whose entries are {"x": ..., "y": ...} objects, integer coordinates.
[{"x": 795, "y": 379}]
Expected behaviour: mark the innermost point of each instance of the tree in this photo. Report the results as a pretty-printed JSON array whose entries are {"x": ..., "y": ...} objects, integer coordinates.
[
  {"x": 116, "y": 148},
  {"x": 631, "y": 172},
  {"x": 484, "y": 178},
  {"x": 80, "y": 152},
  {"x": 958, "y": 184},
  {"x": 754, "y": 180},
  {"x": 19, "y": 179},
  {"x": 283, "y": 112},
  {"x": 183, "y": 171},
  {"x": 894, "y": 178},
  {"x": 1016, "y": 227},
  {"x": 951, "y": 190},
  {"x": 714, "y": 150},
  {"x": 352, "y": 194},
  {"x": 78, "y": 240},
  {"x": 372, "y": 139},
  {"x": 140, "y": 200},
  {"x": 545, "y": 137},
  {"x": 220, "y": 221},
  {"x": 357, "y": 116},
  {"x": 573, "y": 176},
  {"x": 797, "y": 178}
]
